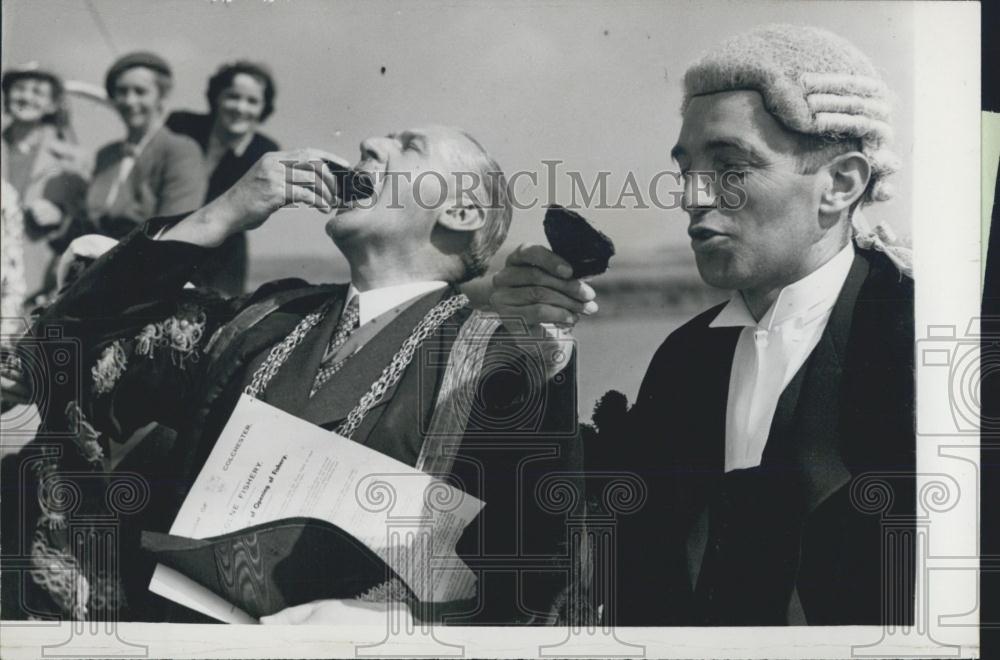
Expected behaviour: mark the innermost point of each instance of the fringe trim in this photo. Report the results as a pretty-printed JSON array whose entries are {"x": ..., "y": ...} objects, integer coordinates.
[
  {"x": 180, "y": 333},
  {"x": 148, "y": 339},
  {"x": 183, "y": 335},
  {"x": 87, "y": 437},
  {"x": 391, "y": 590},
  {"x": 59, "y": 574},
  {"x": 56, "y": 570},
  {"x": 109, "y": 368}
]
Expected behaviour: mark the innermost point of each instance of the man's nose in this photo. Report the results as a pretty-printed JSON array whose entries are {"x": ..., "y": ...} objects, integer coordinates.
[
  {"x": 699, "y": 192},
  {"x": 375, "y": 148}
]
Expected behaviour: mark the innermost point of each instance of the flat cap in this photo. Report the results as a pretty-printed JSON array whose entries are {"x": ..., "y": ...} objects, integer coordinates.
[
  {"x": 132, "y": 60},
  {"x": 31, "y": 70}
]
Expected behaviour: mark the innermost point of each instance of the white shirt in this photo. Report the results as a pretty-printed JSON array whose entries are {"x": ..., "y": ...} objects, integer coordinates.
[
  {"x": 771, "y": 351},
  {"x": 375, "y": 302}
]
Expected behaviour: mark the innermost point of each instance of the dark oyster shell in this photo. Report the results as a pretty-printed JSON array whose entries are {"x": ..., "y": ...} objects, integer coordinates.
[
  {"x": 588, "y": 250},
  {"x": 351, "y": 184}
]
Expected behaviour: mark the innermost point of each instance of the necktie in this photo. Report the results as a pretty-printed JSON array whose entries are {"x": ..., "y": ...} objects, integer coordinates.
[
  {"x": 130, "y": 153},
  {"x": 331, "y": 362}
]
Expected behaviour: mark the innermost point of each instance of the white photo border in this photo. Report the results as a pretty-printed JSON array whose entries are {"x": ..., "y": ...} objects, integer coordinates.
[{"x": 947, "y": 242}]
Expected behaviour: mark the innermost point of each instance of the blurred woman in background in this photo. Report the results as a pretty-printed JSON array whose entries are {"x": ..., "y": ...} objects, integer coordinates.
[
  {"x": 41, "y": 163},
  {"x": 240, "y": 98},
  {"x": 153, "y": 171}
]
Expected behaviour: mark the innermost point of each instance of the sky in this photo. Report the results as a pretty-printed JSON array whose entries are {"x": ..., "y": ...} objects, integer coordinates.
[{"x": 595, "y": 85}]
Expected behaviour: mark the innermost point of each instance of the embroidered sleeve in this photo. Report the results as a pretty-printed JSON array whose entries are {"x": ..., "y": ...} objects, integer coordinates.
[{"x": 149, "y": 373}]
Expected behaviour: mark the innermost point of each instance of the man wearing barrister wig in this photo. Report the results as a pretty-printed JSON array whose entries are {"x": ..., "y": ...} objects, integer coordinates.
[
  {"x": 357, "y": 358},
  {"x": 775, "y": 432}
]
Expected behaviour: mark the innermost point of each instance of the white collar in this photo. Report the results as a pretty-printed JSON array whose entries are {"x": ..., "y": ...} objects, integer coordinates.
[
  {"x": 375, "y": 302},
  {"x": 805, "y": 299}
]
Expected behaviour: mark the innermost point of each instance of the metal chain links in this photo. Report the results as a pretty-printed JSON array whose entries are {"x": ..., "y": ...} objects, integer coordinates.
[
  {"x": 280, "y": 352},
  {"x": 390, "y": 375}
]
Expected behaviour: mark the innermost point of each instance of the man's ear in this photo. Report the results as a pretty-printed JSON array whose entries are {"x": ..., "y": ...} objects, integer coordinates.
[
  {"x": 849, "y": 175},
  {"x": 462, "y": 217}
]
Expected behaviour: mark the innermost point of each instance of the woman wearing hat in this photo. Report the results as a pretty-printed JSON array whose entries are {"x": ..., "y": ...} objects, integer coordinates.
[
  {"x": 240, "y": 98},
  {"x": 43, "y": 166},
  {"x": 153, "y": 171}
]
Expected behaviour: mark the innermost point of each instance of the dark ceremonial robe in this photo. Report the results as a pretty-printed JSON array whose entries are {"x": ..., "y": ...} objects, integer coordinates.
[
  {"x": 799, "y": 539},
  {"x": 151, "y": 350}
]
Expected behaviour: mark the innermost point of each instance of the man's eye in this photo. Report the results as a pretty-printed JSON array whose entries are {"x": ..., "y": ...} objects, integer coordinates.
[{"x": 733, "y": 167}]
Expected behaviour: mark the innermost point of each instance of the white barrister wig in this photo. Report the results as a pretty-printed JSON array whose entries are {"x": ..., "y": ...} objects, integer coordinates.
[{"x": 813, "y": 82}]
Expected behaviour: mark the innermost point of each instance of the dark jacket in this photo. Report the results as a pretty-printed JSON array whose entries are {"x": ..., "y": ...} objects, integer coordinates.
[
  {"x": 172, "y": 368},
  {"x": 799, "y": 539},
  {"x": 227, "y": 271}
]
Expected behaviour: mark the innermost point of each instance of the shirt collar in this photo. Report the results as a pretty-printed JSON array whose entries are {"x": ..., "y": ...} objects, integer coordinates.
[
  {"x": 240, "y": 147},
  {"x": 135, "y": 149},
  {"x": 375, "y": 302},
  {"x": 735, "y": 313},
  {"x": 805, "y": 299}
]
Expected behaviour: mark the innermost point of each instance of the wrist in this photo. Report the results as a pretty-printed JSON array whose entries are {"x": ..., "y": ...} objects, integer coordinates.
[
  {"x": 216, "y": 221},
  {"x": 206, "y": 227}
]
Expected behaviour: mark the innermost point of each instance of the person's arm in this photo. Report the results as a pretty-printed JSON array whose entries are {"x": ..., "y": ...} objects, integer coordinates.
[
  {"x": 67, "y": 191},
  {"x": 135, "y": 333},
  {"x": 260, "y": 192},
  {"x": 536, "y": 295},
  {"x": 138, "y": 331}
]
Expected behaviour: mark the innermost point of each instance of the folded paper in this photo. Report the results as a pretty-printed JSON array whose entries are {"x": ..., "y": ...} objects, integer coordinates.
[{"x": 277, "y": 484}]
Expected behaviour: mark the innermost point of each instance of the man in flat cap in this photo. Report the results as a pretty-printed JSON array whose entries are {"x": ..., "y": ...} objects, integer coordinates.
[
  {"x": 396, "y": 360},
  {"x": 775, "y": 432}
]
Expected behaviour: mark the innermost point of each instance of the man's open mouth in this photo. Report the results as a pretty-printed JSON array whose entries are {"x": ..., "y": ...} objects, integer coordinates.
[
  {"x": 358, "y": 184},
  {"x": 353, "y": 184}
]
